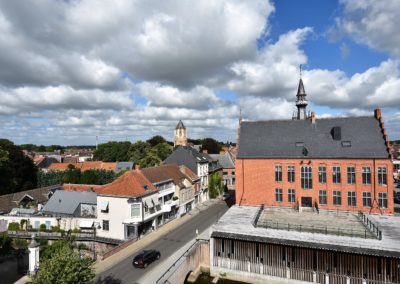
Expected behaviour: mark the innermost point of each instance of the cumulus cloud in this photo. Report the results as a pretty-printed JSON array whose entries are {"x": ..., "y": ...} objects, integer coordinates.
[{"x": 374, "y": 23}]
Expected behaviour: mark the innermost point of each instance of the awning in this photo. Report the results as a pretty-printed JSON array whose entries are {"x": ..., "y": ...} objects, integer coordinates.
[
  {"x": 104, "y": 205},
  {"x": 86, "y": 224}
]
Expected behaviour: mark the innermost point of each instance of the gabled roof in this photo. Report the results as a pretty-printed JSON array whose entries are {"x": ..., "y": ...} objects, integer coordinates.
[
  {"x": 164, "y": 173},
  {"x": 66, "y": 202},
  {"x": 361, "y": 137},
  {"x": 189, "y": 173},
  {"x": 130, "y": 184},
  {"x": 225, "y": 160},
  {"x": 40, "y": 195},
  {"x": 188, "y": 156}
]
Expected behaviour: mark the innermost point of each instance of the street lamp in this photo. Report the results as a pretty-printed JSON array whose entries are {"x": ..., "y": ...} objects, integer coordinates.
[{"x": 96, "y": 225}]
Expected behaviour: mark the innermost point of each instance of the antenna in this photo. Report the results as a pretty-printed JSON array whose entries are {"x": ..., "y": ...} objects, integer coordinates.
[
  {"x": 97, "y": 141},
  {"x": 240, "y": 115}
]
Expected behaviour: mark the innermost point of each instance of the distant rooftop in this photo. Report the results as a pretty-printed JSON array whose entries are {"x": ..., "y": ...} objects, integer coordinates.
[{"x": 237, "y": 223}]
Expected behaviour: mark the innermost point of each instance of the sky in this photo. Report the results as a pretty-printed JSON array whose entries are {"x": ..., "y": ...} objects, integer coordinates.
[{"x": 129, "y": 70}]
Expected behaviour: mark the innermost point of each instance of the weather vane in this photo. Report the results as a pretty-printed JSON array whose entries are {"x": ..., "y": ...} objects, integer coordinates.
[{"x": 300, "y": 70}]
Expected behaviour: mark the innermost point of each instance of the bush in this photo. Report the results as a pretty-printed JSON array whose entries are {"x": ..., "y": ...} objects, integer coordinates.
[
  {"x": 42, "y": 228},
  {"x": 56, "y": 229},
  {"x": 175, "y": 198},
  {"x": 76, "y": 230},
  {"x": 5, "y": 244},
  {"x": 21, "y": 244},
  {"x": 13, "y": 227}
]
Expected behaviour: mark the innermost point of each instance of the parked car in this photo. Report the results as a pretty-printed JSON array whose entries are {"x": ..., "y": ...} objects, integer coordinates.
[{"x": 145, "y": 258}]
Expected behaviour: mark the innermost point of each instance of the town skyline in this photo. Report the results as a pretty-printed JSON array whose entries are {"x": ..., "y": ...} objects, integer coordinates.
[{"x": 77, "y": 70}]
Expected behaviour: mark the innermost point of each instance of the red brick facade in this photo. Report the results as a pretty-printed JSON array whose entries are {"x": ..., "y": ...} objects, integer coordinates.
[{"x": 255, "y": 183}]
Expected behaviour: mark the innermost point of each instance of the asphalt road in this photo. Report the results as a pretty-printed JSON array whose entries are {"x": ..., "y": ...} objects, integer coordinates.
[{"x": 167, "y": 244}]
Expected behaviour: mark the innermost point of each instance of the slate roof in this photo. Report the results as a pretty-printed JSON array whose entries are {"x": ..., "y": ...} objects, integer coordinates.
[
  {"x": 180, "y": 125},
  {"x": 278, "y": 139},
  {"x": 225, "y": 160},
  {"x": 66, "y": 202},
  {"x": 40, "y": 195},
  {"x": 186, "y": 155}
]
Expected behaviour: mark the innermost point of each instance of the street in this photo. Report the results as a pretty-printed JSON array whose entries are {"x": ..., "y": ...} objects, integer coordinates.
[{"x": 167, "y": 244}]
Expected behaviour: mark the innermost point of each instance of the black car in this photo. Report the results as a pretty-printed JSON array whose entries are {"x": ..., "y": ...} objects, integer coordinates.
[{"x": 145, "y": 258}]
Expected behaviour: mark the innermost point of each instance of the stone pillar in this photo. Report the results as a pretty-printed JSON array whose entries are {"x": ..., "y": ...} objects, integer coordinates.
[
  {"x": 314, "y": 277},
  {"x": 364, "y": 281},
  {"x": 33, "y": 256},
  {"x": 288, "y": 272},
  {"x": 347, "y": 280},
  {"x": 326, "y": 278},
  {"x": 211, "y": 251}
]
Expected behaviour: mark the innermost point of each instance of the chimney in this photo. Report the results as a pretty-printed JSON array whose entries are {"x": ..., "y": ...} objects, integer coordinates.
[
  {"x": 205, "y": 151},
  {"x": 313, "y": 118},
  {"x": 137, "y": 167},
  {"x": 378, "y": 113}
]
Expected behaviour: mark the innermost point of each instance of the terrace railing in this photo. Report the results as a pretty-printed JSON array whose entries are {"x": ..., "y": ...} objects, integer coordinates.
[
  {"x": 327, "y": 230},
  {"x": 370, "y": 225}
]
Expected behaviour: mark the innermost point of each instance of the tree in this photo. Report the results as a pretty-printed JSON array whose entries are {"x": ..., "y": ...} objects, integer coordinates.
[
  {"x": 3, "y": 157},
  {"x": 17, "y": 172},
  {"x": 215, "y": 186},
  {"x": 211, "y": 145},
  {"x": 65, "y": 266},
  {"x": 72, "y": 175},
  {"x": 138, "y": 151},
  {"x": 112, "y": 151},
  {"x": 150, "y": 160},
  {"x": 155, "y": 140},
  {"x": 162, "y": 150}
]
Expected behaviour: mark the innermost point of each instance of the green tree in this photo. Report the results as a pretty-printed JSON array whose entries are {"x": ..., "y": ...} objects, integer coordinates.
[
  {"x": 65, "y": 266},
  {"x": 72, "y": 175},
  {"x": 215, "y": 186},
  {"x": 162, "y": 150},
  {"x": 3, "y": 157},
  {"x": 17, "y": 173},
  {"x": 112, "y": 151},
  {"x": 150, "y": 160},
  {"x": 49, "y": 178},
  {"x": 155, "y": 140},
  {"x": 5, "y": 244},
  {"x": 211, "y": 145},
  {"x": 138, "y": 151}
]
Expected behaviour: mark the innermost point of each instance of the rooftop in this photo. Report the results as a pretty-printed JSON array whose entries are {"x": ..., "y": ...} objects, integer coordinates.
[
  {"x": 66, "y": 202},
  {"x": 237, "y": 223},
  {"x": 342, "y": 137}
]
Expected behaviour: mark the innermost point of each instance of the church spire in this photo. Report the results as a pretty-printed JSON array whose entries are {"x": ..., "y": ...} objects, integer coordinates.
[{"x": 301, "y": 102}]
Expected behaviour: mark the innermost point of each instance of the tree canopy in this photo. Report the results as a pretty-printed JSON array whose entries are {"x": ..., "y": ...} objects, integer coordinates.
[
  {"x": 138, "y": 151},
  {"x": 64, "y": 265},
  {"x": 17, "y": 171},
  {"x": 155, "y": 140},
  {"x": 112, "y": 151}
]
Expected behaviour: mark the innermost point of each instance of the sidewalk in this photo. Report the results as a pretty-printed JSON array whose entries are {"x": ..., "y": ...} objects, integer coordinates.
[{"x": 104, "y": 265}]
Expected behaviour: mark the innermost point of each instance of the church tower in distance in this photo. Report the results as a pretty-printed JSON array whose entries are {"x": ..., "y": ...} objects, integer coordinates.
[{"x": 180, "y": 134}]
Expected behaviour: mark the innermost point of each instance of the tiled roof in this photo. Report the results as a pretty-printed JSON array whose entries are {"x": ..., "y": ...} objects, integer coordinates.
[
  {"x": 82, "y": 187},
  {"x": 40, "y": 195},
  {"x": 130, "y": 184},
  {"x": 85, "y": 166},
  {"x": 189, "y": 173},
  {"x": 360, "y": 137},
  {"x": 164, "y": 173}
]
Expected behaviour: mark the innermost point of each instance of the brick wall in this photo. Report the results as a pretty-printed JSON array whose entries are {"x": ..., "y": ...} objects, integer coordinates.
[{"x": 255, "y": 182}]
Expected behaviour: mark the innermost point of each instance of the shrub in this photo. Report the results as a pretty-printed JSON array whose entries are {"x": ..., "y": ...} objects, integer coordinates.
[
  {"x": 56, "y": 229},
  {"x": 21, "y": 244},
  {"x": 42, "y": 228},
  {"x": 13, "y": 226},
  {"x": 175, "y": 198},
  {"x": 76, "y": 230}
]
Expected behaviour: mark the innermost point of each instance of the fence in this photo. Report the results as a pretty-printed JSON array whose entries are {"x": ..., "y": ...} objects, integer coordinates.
[
  {"x": 370, "y": 225},
  {"x": 316, "y": 229}
]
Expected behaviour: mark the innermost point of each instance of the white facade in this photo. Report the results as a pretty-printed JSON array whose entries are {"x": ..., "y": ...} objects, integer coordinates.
[{"x": 202, "y": 172}]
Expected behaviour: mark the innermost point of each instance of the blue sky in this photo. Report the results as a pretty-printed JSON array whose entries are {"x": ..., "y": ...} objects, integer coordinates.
[{"x": 127, "y": 71}]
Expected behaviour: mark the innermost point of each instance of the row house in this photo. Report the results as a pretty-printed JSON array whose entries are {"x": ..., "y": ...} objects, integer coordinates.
[
  {"x": 227, "y": 162},
  {"x": 197, "y": 162}
]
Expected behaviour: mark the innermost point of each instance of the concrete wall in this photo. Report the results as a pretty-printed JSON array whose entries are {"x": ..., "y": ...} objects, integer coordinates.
[
  {"x": 198, "y": 256},
  {"x": 255, "y": 182}
]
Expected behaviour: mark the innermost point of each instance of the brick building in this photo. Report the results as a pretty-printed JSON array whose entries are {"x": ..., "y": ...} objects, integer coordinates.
[{"x": 332, "y": 163}]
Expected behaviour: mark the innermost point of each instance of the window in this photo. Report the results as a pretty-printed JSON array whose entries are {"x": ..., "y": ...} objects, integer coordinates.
[
  {"x": 278, "y": 173},
  {"x": 48, "y": 224},
  {"x": 337, "y": 197},
  {"x": 291, "y": 174},
  {"x": 135, "y": 210},
  {"x": 366, "y": 199},
  {"x": 233, "y": 181},
  {"x": 336, "y": 174},
  {"x": 382, "y": 199},
  {"x": 306, "y": 177},
  {"x": 36, "y": 225},
  {"x": 366, "y": 175},
  {"x": 106, "y": 225},
  {"x": 322, "y": 174},
  {"x": 351, "y": 175},
  {"x": 291, "y": 195},
  {"x": 225, "y": 173},
  {"x": 322, "y": 197},
  {"x": 382, "y": 175},
  {"x": 351, "y": 198},
  {"x": 278, "y": 195},
  {"x": 233, "y": 173}
]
